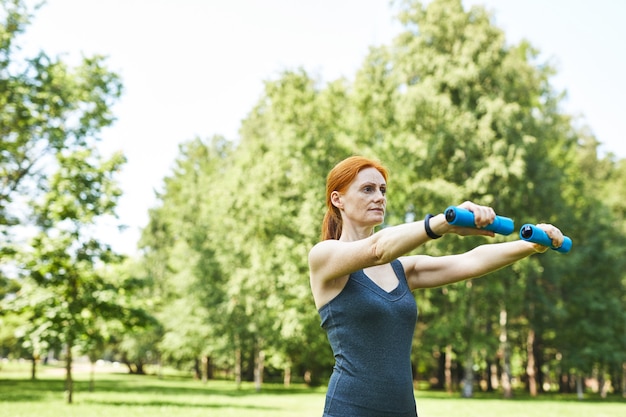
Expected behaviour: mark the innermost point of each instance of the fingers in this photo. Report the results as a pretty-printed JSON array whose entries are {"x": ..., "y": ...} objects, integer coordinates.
[
  {"x": 483, "y": 215},
  {"x": 554, "y": 233}
]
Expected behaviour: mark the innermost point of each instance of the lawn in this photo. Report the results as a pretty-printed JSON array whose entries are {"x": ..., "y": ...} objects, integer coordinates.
[{"x": 120, "y": 394}]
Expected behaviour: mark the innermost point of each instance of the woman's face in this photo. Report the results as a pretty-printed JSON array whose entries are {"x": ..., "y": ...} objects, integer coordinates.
[{"x": 364, "y": 202}]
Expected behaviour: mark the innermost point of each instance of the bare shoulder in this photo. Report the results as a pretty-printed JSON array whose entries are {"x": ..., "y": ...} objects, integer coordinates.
[
  {"x": 320, "y": 255},
  {"x": 331, "y": 259},
  {"x": 321, "y": 250}
]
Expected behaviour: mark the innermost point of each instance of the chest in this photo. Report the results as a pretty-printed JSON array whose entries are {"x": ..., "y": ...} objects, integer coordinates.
[{"x": 383, "y": 276}]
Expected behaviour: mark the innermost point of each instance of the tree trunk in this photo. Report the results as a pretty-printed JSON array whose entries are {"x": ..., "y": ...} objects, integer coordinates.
[
  {"x": 579, "y": 386},
  {"x": 468, "y": 378},
  {"x": 530, "y": 366},
  {"x": 624, "y": 380},
  {"x": 539, "y": 362},
  {"x": 563, "y": 382},
  {"x": 259, "y": 366},
  {"x": 489, "y": 377},
  {"x": 205, "y": 369},
  {"x": 493, "y": 383},
  {"x": 140, "y": 368},
  {"x": 287, "y": 377},
  {"x": 441, "y": 371},
  {"x": 506, "y": 356},
  {"x": 69, "y": 382},
  {"x": 448, "y": 368},
  {"x": 197, "y": 372},
  {"x": 209, "y": 368},
  {"x": 238, "y": 367},
  {"x": 603, "y": 384},
  {"x": 92, "y": 377},
  {"x": 33, "y": 368}
]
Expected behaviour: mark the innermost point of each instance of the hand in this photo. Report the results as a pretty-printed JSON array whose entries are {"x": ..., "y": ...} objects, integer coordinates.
[
  {"x": 483, "y": 216},
  {"x": 555, "y": 235}
]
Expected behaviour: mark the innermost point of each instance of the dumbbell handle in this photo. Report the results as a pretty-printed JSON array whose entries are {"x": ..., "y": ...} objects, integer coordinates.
[
  {"x": 532, "y": 233},
  {"x": 458, "y": 216}
]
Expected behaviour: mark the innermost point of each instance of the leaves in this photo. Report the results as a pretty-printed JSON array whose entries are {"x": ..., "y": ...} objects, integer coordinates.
[{"x": 449, "y": 107}]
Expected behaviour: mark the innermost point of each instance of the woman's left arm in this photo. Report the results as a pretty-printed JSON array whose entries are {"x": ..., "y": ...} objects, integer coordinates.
[{"x": 424, "y": 271}]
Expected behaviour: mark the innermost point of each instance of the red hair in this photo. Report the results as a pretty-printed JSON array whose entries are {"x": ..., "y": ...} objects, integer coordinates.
[{"x": 339, "y": 179}]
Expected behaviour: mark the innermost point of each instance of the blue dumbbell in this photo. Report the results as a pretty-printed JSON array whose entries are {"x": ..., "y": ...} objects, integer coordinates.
[
  {"x": 458, "y": 216},
  {"x": 532, "y": 233}
]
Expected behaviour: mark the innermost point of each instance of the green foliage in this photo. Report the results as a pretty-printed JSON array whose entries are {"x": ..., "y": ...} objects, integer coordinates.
[
  {"x": 454, "y": 112},
  {"x": 55, "y": 187}
]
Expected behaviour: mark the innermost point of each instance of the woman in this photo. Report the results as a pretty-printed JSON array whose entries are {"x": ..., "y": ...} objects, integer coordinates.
[{"x": 362, "y": 284}]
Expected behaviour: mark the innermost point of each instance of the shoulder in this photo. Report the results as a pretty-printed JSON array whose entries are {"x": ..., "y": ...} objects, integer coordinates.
[
  {"x": 357, "y": 253},
  {"x": 319, "y": 251},
  {"x": 331, "y": 259},
  {"x": 322, "y": 252},
  {"x": 322, "y": 248}
]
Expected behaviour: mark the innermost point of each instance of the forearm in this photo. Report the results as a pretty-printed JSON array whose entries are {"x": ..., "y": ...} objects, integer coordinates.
[
  {"x": 393, "y": 242},
  {"x": 492, "y": 257},
  {"x": 431, "y": 272}
]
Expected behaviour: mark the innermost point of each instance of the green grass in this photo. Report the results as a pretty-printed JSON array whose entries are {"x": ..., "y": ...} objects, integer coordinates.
[{"x": 120, "y": 394}]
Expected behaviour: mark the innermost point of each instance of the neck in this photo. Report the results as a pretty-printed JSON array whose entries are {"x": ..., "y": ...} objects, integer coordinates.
[{"x": 351, "y": 234}]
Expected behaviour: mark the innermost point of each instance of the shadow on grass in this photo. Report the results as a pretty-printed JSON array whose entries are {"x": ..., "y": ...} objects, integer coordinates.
[
  {"x": 108, "y": 387},
  {"x": 15, "y": 390},
  {"x": 178, "y": 404},
  {"x": 148, "y": 384},
  {"x": 520, "y": 396},
  {"x": 151, "y": 391}
]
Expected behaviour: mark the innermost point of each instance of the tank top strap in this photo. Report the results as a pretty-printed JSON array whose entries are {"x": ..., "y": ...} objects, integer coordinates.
[{"x": 399, "y": 271}]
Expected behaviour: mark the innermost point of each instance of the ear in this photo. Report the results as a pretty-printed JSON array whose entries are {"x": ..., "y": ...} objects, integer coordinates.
[{"x": 335, "y": 198}]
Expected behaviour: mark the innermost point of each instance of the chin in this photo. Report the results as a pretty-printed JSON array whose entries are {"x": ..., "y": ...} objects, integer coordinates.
[{"x": 379, "y": 220}]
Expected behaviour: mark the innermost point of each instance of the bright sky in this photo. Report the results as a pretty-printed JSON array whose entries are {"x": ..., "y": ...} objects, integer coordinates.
[{"x": 195, "y": 68}]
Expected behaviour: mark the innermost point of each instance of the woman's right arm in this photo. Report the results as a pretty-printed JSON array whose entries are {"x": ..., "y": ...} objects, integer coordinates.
[{"x": 331, "y": 259}]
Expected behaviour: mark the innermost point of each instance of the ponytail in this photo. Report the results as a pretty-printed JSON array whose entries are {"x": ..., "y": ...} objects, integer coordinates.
[{"x": 332, "y": 225}]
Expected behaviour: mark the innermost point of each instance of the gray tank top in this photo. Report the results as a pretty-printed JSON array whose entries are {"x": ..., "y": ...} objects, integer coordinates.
[{"x": 370, "y": 332}]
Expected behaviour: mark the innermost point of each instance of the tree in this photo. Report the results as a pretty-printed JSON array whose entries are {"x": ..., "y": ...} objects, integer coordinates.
[
  {"x": 64, "y": 293},
  {"x": 455, "y": 113},
  {"x": 586, "y": 346},
  {"x": 471, "y": 117},
  {"x": 180, "y": 247},
  {"x": 289, "y": 142},
  {"x": 45, "y": 108},
  {"x": 55, "y": 183}
]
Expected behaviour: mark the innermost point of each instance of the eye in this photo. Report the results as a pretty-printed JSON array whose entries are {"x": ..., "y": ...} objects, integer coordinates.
[{"x": 369, "y": 189}]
